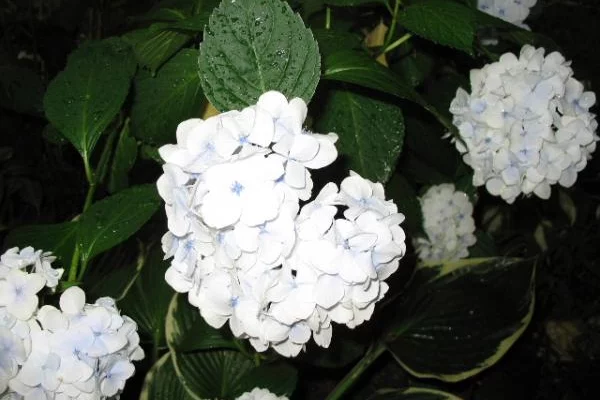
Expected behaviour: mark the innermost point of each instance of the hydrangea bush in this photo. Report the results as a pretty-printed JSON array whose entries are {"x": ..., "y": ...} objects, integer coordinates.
[{"x": 272, "y": 190}]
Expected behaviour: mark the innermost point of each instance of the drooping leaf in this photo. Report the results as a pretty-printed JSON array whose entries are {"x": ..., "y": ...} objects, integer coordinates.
[
  {"x": 84, "y": 98},
  {"x": 21, "y": 90},
  {"x": 413, "y": 393},
  {"x": 57, "y": 238},
  {"x": 161, "y": 102},
  {"x": 186, "y": 330},
  {"x": 226, "y": 374},
  {"x": 371, "y": 132},
  {"x": 123, "y": 160},
  {"x": 110, "y": 221},
  {"x": 147, "y": 301},
  {"x": 441, "y": 21},
  {"x": 161, "y": 382},
  {"x": 460, "y": 318},
  {"x": 253, "y": 46},
  {"x": 358, "y": 68},
  {"x": 154, "y": 45}
]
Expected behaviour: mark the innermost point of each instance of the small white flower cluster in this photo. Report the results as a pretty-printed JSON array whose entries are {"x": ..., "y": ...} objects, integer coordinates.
[
  {"x": 260, "y": 394},
  {"x": 448, "y": 224},
  {"x": 244, "y": 251},
  {"x": 513, "y": 11},
  {"x": 82, "y": 351},
  {"x": 526, "y": 124}
]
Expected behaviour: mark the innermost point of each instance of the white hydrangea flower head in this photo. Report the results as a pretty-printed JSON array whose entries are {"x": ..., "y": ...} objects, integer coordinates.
[
  {"x": 448, "y": 224},
  {"x": 526, "y": 124},
  {"x": 513, "y": 11},
  {"x": 244, "y": 250},
  {"x": 260, "y": 394},
  {"x": 80, "y": 351}
]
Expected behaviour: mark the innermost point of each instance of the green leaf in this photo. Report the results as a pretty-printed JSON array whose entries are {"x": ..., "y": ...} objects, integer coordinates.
[
  {"x": 186, "y": 330},
  {"x": 371, "y": 132},
  {"x": 441, "y": 21},
  {"x": 57, "y": 238},
  {"x": 162, "y": 383},
  {"x": 21, "y": 90},
  {"x": 460, "y": 318},
  {"x": 113, "y": 219},
  {"x": 358, "y": 68},
  {"x": 404, "y": 195},
  {"x": 154, "y": 45},
  {"x": 415, "y": 67},
  {"x": 279, "y": 377},
  {"x": 251, "y": 47},
  {"x": 161, "y": 102},
  {"x": 147, "y": 301},
  {"x": 329, "y": 40},
  {"x": 413, "y": 393},
  {"x": 226, "y": 374},
  {"x": 84, "y": 98},
  {"x": 123, "y": 160}
]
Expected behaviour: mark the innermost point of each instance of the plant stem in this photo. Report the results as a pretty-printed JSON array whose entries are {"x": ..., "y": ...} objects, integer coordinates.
[
  {"x": 328, "y": 18},
  {"x": 397, "y": 43},
  {"x": 350, "y": 379},
  {"x": 392, "y": 30},
  {"x": 74, "y": 277}
]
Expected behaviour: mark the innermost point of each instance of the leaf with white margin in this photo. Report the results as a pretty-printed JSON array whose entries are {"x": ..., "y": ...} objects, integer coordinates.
[{"x": 460, "y": 318}]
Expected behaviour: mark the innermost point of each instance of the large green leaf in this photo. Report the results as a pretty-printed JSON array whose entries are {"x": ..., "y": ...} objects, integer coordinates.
[
  {"x": 114, "y": 219},
  {"x": 413, "y": 393},
  {"x": 186, "y": 330},
  {"x": 147, "y": 301},
  {"x": 84, "y": 98},
  {"x": 460, "y": 318},
  {"x": 441, "y": 21},
  {"x": 358, "y": 68},
  {"x": 371, "y": 132},
  {"x": 253, "y": 46},
  {"x": 123, "y": 160},
  {"x": 226, "y": 374},
  {"x": 162, "y": 383},
  {"x": 161, "y": 102},
  {"x": 154, "y": 45},
  {"x": 57, "y": 238}
]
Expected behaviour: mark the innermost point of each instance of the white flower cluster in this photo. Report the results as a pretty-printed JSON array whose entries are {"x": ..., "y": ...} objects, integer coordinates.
[
  {"x": 513, "y": 11},
  {"x": 80, "y": 351},
  {"x": 260, "y": 394},
  {"x": 244, "y": 251},
  {"x": 448, "y": 224},
  {"x": 526, "y": 124}
]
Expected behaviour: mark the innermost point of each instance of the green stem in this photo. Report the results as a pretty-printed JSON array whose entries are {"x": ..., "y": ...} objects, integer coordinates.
[
  {"x": 74, "y": 265},
  {"x": 397, "y": 43},
  {"x": 328, "y": 18},
  {"x": 394, "y": 23},
  {"x": 350, "y": 379}
]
